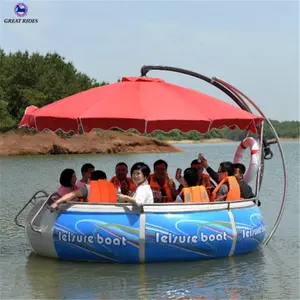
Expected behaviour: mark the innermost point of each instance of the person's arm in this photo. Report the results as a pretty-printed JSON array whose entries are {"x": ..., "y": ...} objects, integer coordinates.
[
  {"x": 173, "y": 190},
  {"x": 249, "y": 191},
  {"x": 67, "y": 197},
  {"x": 139, "y": 198},
  {"x": 213, "y": 174},
  {"x": 180, "y": 189},
  {"x": 125, "y": 198},
  {"x": 210, "y": 171}
]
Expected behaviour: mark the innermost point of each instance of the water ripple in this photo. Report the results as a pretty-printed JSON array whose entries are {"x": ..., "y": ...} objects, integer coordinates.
[{"x": 269, "y": 273}]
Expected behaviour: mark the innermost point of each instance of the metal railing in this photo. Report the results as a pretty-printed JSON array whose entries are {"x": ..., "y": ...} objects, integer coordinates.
[
  {"x": 34, "y": 197},
  {"x": 38, "y": 212}
]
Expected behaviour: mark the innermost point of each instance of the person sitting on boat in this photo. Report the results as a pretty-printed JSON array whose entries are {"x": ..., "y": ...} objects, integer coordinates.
[
  {"x": 163, "y": 188},
  {"x": 84, "y": 192},
  {"x": 228, "y": 188},
  {"x": 68, "y": 182},
  {"x": 193, "y": 192},
  {"x": 204, "y": 179},
  {"x": 143, "y": 193},
  {"x": 121, "y": 180},
  {"x": 86, "y": 171},
  {"x": 246, "y": 190}
]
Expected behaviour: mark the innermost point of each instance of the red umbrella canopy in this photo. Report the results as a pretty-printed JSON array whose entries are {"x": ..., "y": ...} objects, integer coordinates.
[{"x": 141, "y": 103}]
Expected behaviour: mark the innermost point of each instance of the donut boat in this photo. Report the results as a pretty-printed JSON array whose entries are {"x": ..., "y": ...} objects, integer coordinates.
[
  {"x": 126, "y": 234},
  {"x": 159, "y": 232}
]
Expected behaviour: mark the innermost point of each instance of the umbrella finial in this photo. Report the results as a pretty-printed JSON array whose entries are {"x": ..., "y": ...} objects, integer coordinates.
[{"x": 144, "y": 70}]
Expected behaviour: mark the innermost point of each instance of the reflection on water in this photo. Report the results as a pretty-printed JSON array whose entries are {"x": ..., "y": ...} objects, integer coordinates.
[
  {"x": 231, "y": 278},
  {"x": 270, "y": 273}
]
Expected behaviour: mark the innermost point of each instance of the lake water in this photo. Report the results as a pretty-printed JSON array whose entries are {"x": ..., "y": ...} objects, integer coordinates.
[{"x": 272, "y": 272}]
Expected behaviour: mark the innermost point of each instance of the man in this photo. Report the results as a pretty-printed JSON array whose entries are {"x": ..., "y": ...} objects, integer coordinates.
[
  {"x": 246, "y": 190},
  {"x": 225, "y": 169},
  {"x": 204, "y": 179},
  {"x": 228, "y": 188},
  {"x": 164, "y": 189},
  {"x": 121, "y": 180},
  {"x": 86, "y": 171}
]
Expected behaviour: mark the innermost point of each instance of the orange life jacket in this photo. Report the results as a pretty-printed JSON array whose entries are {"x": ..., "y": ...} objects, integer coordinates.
[
  {"x": 116, "y": 183},
  {"x": 102, "y": 191},
  {"x": 234, "y": 192},
  {"x": 154, "y": 185},
  {"x": 195, "y": 194}
]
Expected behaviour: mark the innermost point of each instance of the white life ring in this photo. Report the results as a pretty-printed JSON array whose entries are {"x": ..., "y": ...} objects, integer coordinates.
[{"x": 251, "y": 143}]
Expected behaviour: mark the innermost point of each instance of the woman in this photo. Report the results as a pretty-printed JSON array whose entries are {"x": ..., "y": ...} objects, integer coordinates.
[
  {"x": 67, "y": 181},
  {"x": 82, "y": 193},
  {"x": 143, "y": 193}
]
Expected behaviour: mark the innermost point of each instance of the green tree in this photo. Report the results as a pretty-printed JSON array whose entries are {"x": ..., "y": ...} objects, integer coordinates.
[{"x": 35, "y": 79}]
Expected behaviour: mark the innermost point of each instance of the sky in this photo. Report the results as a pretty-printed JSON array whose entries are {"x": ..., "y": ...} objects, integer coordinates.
[{"x": 253, "y": 45}]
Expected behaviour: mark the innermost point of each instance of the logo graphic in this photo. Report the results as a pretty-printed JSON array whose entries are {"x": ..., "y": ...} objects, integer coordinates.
[{"x": 21, "y": 9}]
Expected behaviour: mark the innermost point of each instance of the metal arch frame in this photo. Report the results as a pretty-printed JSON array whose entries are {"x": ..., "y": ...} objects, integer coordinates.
[{"x": 241, "y": 100}]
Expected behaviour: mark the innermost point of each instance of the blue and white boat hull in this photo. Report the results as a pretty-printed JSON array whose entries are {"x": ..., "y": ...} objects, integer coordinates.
[{"x": 157, "y": 233}]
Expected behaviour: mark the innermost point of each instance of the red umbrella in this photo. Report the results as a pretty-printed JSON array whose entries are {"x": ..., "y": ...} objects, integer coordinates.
[{"x": 141, "y": 103}]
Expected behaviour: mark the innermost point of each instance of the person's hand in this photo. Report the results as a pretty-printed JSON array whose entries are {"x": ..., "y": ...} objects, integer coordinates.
[
  {"x": 53, "y": 206},
  {"x": 157, "y": 195},
  {"x": 203, "y": 160},
  {"x": 171, "y": 183},
  {"x": 121, "y": 198},
  {"x": 182, "y": 182},
  {"x": 131, "y": 193}
]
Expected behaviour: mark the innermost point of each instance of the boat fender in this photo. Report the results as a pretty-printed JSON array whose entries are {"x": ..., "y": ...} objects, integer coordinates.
[{"x": 251, "y": 171}]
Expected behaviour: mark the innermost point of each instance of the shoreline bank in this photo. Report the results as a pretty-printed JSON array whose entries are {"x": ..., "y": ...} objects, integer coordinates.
[
  {"x": 15, "y": 143},
  {"x": 46, "y": 143}
]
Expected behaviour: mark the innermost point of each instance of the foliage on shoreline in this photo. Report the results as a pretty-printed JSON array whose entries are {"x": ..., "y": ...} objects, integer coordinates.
[{"x": 35, "y": 79}]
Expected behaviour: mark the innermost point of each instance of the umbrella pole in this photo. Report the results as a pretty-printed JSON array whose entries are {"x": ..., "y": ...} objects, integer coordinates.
[
  {"x": 237, "y": 96},
  {"x": 240, "y": 103}
]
